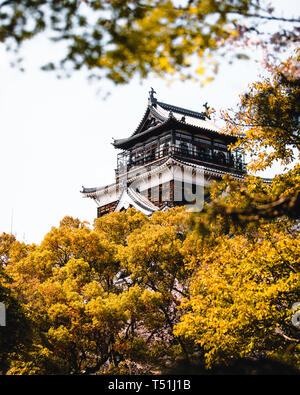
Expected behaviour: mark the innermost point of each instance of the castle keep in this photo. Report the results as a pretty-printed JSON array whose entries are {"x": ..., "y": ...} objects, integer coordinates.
[{"x": 172, "y": 153}]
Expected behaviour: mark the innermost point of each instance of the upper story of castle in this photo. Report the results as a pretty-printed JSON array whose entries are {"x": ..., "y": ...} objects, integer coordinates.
[{"x": 167, "y": 130}]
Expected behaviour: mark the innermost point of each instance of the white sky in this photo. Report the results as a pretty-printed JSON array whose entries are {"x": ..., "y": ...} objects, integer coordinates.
[{"x": 56, "y": 134}]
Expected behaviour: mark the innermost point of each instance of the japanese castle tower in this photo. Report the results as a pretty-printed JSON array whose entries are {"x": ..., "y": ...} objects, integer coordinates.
[{"x": 172, "y": 154}]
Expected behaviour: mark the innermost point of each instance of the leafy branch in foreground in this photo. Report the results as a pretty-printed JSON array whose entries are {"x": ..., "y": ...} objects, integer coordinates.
[
  {"x": 244, "y": 253},
  {"x": 254, "y": 199},
  {"x": 119, "y": 39},
  {"x": 267, "y": 119}
]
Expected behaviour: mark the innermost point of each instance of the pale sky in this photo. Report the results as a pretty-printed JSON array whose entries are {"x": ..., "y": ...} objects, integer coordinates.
[{"x": 56, "y": 134}]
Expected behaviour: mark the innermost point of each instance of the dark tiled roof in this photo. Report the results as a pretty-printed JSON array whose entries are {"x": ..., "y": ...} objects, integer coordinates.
[
  {"x": 183, "y": 111},
  {"x": 161, "y": 114}
]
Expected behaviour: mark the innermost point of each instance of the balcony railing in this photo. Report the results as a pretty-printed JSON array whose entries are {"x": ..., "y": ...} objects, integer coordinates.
[{"x": 219, "y": 160}]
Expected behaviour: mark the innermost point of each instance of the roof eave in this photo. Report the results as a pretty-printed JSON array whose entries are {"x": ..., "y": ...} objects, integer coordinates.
[
  {"x": 128, "y": 142},
  {"x": 170, "y": 122}
]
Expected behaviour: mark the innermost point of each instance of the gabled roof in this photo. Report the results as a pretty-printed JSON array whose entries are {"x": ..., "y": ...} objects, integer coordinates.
[
  {"x": 159, "y": 116},
  {"x": 186, "y": 117},
  {"x": 131, "y": 198}
]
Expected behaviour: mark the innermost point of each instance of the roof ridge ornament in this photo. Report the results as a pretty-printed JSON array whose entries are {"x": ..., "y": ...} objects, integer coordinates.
[
  {"x": 206, "y": 106},
  {"x": 152, "y": 99}
]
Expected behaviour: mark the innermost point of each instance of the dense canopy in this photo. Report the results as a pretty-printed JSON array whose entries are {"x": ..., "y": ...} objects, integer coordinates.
[{"x": 119, "y": 39}]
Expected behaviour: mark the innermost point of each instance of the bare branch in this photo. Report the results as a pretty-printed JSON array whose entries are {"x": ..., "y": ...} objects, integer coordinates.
[{"x": 280, "y": 332}]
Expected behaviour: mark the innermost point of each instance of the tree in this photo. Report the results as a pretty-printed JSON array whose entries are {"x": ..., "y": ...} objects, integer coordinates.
[
  {"x": 245, "y": 251},
  {"x": 16, "y": 340},
  {"x": 54, "y": 283},
  {"x": 266, "y": 125},
  {"x": 241, "y": 296},
  {"x": 103, "y": 300},
  {"x": 119, "y": 39},
  {"x": 267, "y": 118},
  {"x": 154, "y": 261}
]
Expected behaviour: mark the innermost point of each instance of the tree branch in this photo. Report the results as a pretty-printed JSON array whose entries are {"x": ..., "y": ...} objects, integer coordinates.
[
  {"x": 267, "y": 17},
  {"x": 286, "y": 205},
  {"x": 280, "y": 332}
]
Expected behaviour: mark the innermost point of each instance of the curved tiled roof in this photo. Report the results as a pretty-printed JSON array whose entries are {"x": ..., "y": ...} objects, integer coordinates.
[
  {"x": 162, "y": 114},
  {"x": 190, "y": 119},
  {"x": 141, "y": 200},
  {"x": 135, "y": 199}
]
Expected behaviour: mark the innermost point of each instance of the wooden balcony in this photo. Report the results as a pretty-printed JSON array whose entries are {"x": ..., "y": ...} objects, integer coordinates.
[{"x": 222, "y": 160}]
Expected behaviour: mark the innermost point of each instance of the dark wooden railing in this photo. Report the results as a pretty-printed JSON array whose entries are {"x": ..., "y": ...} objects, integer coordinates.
[{"x": 225, "y": 160}]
